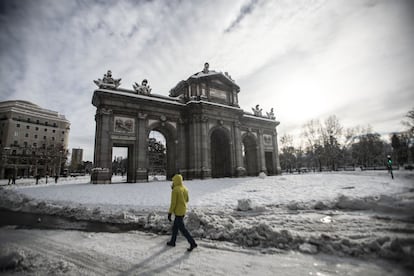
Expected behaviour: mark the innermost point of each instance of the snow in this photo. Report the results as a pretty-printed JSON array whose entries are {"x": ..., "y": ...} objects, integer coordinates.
[
  {"x": 363, "y": 214},
  {"x": 275, "y": 190}
]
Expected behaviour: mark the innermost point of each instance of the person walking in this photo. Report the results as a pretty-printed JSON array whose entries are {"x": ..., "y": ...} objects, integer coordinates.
[{"x": 178, "y": 207}]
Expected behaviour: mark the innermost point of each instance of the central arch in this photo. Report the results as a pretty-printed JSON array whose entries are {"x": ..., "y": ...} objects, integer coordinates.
[
  {"x": 170, "y": 135},
  {"x": 220, "y": 154}
]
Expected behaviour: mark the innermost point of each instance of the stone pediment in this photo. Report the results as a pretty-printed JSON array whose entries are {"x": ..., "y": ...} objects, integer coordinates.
[{"x": 215, "y": 78}]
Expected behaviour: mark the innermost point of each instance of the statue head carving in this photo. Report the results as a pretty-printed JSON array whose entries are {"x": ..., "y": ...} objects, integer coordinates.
[{"x": 206, "y": 67}]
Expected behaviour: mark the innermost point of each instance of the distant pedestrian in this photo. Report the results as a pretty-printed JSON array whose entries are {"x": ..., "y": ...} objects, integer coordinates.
[
  {"x": 10, "y": 178},
  {"x": 389, "y": 166},
  {"x": 56, "y": 178},
  {"x": 37, "y": 178},
  {"x": 178, "y": 207},
  {"x": 14, "y": 176}
]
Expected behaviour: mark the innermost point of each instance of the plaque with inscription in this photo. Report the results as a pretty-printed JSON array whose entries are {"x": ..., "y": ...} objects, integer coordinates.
[
  {"x": 124, "y": 124},
  {"x": 218, "y": 93},
  {"x": 267, "y": 139}
]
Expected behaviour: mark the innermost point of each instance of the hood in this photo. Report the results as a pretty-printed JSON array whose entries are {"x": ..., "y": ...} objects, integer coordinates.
[{"x": 177, "y": 180}]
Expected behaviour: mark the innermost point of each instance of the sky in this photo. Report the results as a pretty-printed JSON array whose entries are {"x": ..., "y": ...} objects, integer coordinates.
[{"x": 307, "y": 59}]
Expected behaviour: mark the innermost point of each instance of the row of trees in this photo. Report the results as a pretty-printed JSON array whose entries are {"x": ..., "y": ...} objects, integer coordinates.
[{"x": 328, "y": 146}]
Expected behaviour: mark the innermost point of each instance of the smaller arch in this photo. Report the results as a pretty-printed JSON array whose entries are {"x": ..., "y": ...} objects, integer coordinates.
[{"x": 250, "y": 149}]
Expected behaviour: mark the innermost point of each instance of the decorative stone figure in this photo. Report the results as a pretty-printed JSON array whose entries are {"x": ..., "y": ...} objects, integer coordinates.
[
  {"x": 107, "y": 81},
  {"x": 143, "y": 88},
  {"x": 257, "y": 111},
  {"x": 271, "y": 114},
  {"x": 206, "y": 66}
]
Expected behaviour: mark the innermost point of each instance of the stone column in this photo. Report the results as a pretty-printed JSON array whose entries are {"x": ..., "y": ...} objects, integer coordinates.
[
  {"x": 191, "y": 148},
  {"x": 142, "y": 149},
  {"x": 240, "y": 169},
  {"x": 277, "y": 168},
  {"x": 262, "y": 159},
  {"x": 102, "y": 173},
  {"x": 182, "y": 148},
  {"x": 131, "y": 174},
  {"x": 205, "y": 169}
]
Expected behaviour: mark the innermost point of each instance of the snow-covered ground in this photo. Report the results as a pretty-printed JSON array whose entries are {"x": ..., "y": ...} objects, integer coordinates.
[{"x": 359, "y": 214}]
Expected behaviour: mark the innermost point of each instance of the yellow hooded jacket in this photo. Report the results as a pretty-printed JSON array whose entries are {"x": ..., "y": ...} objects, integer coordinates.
[{"x": 179, "y": 196}]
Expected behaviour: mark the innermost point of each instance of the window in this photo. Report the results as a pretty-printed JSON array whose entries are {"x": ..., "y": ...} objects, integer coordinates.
[
  {"x": 54, "y": 124},
  {"x": 45, "y": 129},
  {"x": 54, "y": 130},
  {"x": 35, "y": 136},
  {"x": 53, "y": 138},
  {"x": 25, "y": 144},
  {"x": 35, "y": 145},
  {"x": 37, "y": 128},
  {"x": 62, "y": 140},
  {"x": 26, "y": 135},
  {"x": 63, "y": 132},
  {"x": 28, "y": 120},
  {"x": 44, "y": 137},
  {"x": 28, "y": 127},
  {"x": 15, "y": 142},
  {"x": 16, "y": 134},
  {"x": 17, "y": 125},
  {"x": 37, "y": 122}
]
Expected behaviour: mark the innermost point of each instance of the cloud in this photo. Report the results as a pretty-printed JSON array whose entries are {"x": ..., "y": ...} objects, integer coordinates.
[{"x": 244, "y": 11}]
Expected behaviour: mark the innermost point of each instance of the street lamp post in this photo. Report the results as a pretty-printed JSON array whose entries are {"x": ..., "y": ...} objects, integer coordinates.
[
  {"x": 60, "y": 162},
  {"x": 5, "y": 160}
]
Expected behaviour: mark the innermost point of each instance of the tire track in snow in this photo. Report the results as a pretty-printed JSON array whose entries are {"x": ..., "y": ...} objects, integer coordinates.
[{"x": 89, "y": 260}]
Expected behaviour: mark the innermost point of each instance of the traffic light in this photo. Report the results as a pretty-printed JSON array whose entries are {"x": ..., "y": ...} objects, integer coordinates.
[{"x": 389, "y": 161}]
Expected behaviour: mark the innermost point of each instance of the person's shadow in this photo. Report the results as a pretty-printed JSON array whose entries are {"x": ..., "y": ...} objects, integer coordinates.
[{"x": 151, "y": 266}]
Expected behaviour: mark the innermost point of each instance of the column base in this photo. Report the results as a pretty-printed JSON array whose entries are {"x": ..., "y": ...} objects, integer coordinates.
[
  {"x": 240, "y": 172},
  {"x": 142, "y": 175},
  {"x": 101, "y": 176}
]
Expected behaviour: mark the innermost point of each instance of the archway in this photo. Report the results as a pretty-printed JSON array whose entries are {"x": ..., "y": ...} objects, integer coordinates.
[
  {"x": 157, "y": 156},
  {"x": 250, "y": 155},
  {"x": 220, "y": 154},
  {"x": 166, "y": 134},
  {"x": 120, "y": 164}
]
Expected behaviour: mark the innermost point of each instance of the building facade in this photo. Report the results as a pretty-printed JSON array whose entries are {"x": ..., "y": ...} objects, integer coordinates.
[
  {"x": 76, "y": 159},
  {"x": 207, "y": 133},
  {"x": 33, "y": 140}
]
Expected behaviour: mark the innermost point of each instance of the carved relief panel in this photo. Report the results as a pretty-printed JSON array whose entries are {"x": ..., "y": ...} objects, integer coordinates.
[{"x": 124, "y": 125}]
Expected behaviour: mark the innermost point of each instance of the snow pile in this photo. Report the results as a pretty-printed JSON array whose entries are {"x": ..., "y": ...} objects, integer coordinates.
[
  {"x": 24, "y": 262},
  {"x": 11, "y": 260},
  {"x": 244, "y": 204}
]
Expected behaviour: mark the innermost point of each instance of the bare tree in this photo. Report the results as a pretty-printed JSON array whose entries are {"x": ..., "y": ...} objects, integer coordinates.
[
  {"x": 313, "y": 140},
  {"x": 331, "y": 135},
  {"x": 287, "y": 152},
  {"x": 410, "y": 121}
]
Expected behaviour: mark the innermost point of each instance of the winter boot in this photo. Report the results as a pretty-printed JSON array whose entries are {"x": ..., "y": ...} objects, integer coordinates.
[{"x": 192, "y": 247}]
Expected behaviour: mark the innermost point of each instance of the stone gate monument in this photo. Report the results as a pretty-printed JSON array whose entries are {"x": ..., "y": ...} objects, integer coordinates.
[{"x": 207, "y": 133}]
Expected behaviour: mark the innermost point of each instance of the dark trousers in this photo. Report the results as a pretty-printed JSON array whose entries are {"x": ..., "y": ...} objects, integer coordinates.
[{"x": 179, "y": 225}]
